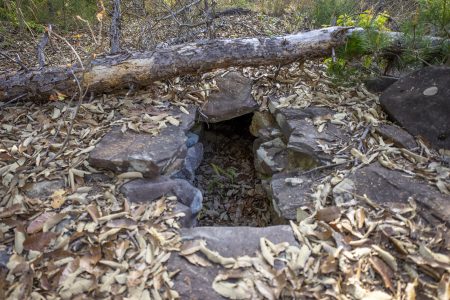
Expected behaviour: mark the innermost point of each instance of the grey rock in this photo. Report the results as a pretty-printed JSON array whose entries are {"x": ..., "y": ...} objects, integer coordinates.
[
  {"x": 145, "y": 153},
  {"x": 396, "y": 135},
  {"x": 4, "y": 258},
  {"x": 264, "y": 126},
  {"x": 303, "y": 137},
  {"x": 379, "y": 84},
  {"x": 233, "y": 99},
  {"x": 289, "y": 191},
  {"x": 189, "y": 219},
  {"x": 192, "y": 139},
  {"x": 393, "y": 188},
  {"x": 273, "y": 157},
  {"x": 150, "y": 155},
  {"x": 192, "y": 161},
  {"x": 420, "y": 103},
  {"x": 143, "y": 190},
  {"x": 43, "y": 189},
  {"x": 194, "y": 282}
]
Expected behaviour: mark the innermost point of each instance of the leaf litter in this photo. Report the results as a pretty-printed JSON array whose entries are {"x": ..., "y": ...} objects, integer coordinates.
[{"x": 85, "y": 239}]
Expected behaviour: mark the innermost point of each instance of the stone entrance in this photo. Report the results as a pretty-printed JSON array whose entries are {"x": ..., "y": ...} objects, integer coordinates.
[{"x": 232, "y": 192}]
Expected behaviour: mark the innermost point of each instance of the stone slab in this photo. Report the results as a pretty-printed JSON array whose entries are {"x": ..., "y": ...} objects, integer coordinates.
[
  {"x": 233, "y": 99},
  {"x": 194, "y": 282}
]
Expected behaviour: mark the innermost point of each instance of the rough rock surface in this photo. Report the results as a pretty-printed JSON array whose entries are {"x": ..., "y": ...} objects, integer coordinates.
[
  {"x": 379, "y": 84},
  {"x": 43, "y": 189},
  {"x": 290, "y": 191},
  {"x": 420, "y": 103},
  {"x": 233, "y": 99},
  {"x": 393, "y": 188},
  {"x": 273, "y": 157},
  {"x": 303, "y": 135},
  {"x": 141, "y": 152},
  {"x": 194, "y": 282},
  {"x": 192, "y": 161},
  {"x": 264, "y": 126},
  {"x": 396, "y": 135},
  {"x": 129, "y": 151},
  {"x": 141, "y": 190}
]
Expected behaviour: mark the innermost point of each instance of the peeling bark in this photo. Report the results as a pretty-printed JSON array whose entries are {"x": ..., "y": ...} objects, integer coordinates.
[{"x": 119, "y": 71}]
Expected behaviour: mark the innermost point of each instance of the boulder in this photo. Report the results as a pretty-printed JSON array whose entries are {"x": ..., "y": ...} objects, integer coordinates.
[
  {"x": 393, "y": 189},
  {"x": 396, "y": 135},
  {"x": 142, "y": 190},
  {"x": 420, "y": 103},
  {"x": 233, "y": 99},
  {"x": 195, "y": 282}
]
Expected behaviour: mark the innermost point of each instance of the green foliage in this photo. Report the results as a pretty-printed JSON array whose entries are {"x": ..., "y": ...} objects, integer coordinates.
[
  {"x": 367, "y": 45},
  {"x": 432, "y": 18},
  {"x": 323, "y": 12},
  {"x": 37, "y": 13}
]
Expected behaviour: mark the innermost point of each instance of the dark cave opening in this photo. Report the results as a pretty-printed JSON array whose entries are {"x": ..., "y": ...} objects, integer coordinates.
[{"x": 232, "y": 192}]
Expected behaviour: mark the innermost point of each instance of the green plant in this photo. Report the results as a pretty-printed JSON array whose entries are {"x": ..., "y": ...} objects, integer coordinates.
[
  {"x": 367, "y": 46},
  {"x": 229, "y": 172},
  {"x": 324, "y": 12}
]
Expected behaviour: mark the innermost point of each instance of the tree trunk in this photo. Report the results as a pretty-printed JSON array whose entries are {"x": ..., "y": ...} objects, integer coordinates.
[
  {"x": 120, "y": 71},
  {"x": 115, "y": 27}
]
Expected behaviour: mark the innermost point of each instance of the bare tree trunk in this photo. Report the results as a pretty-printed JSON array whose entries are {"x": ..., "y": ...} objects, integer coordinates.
[
  {"x": 116, "y": 72},
  {"x": 115, "y": 28}
]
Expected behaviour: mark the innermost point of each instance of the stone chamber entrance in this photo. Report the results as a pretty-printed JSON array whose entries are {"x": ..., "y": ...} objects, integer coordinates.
[{"x": 232, "y": 192}]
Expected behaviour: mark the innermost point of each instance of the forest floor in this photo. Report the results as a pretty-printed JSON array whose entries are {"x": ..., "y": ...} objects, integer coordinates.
[{"x": 86, "y": 241}]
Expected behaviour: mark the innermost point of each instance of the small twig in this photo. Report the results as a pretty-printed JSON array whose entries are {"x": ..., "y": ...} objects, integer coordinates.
[
  {"x": 89, "y": 27},
  {"x": 363, "y": 137},
  {"x": 17, "y": 61},
  {"x": 319, "y": 168},
  {"x": 71, "y": 47},
  {"x": 69, "y": 131},
  {"x": 41, "y": 46},
  {"x": 12, "y": 101},
  {"x": 174, "y": 13}
]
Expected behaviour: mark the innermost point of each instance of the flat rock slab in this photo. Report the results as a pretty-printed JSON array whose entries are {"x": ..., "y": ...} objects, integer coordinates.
[
  {"x": 397, "y": 136},
  {"x": 129, "y": 151},
  {"x": 393, "y": 188},
  {"x": 194, "y": 282},
  {"x": 149, "y": 154},
  {"x": 143, "y": 190},
  {"x": 233, "y": 99},
  {"x": 290, "y": 191},
  {"x": 420, "y": 103}
]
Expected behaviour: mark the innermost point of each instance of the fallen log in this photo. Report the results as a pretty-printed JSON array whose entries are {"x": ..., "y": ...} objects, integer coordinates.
[{"x": 119, "y": 71}]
